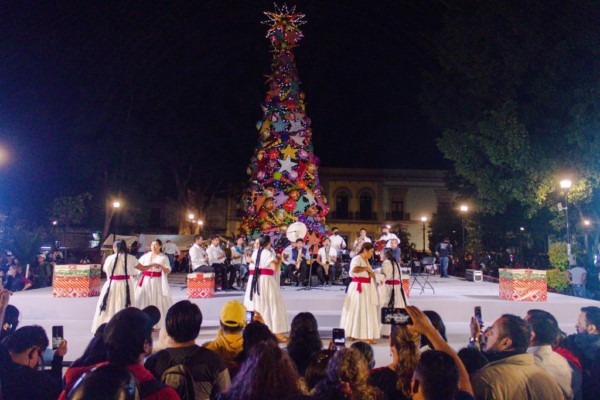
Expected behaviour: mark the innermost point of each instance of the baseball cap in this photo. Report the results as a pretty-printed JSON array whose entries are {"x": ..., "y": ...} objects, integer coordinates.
[{"x": 233, "y": 314}]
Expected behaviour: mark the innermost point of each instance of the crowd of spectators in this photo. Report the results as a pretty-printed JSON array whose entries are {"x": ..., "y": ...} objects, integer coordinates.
[
  {"x": 515, "y": 358},
  {"x": 15, "y": 276}
]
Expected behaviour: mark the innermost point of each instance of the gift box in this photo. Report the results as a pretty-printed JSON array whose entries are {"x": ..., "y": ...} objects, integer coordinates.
[
  {"x": 523, "y": 285},
  {"x": 200, "y": 286},
  {"x": 81, "y": 280},
  {"x": 406, "y": 285}
]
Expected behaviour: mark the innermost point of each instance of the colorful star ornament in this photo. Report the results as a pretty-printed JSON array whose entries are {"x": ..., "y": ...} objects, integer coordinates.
[{"x": 284, "y": 168}]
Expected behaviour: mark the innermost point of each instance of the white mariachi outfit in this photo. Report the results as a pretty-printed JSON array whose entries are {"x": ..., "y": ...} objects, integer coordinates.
[
  {"x": 152, "y": 288},
  {"x": 117, "y": 297},
  {"x": 268, "y": 301},
  {"x": 360, "y": 317},
  {"x": 392, "y": 282}
]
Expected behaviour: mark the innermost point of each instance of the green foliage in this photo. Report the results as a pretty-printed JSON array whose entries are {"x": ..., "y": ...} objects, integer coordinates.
[
  {"x": 21, "y": 237},
  {"x": 69, "y": 210},
  {"x": 557, "y": 279},
  {"x": 557, "y": 253}
]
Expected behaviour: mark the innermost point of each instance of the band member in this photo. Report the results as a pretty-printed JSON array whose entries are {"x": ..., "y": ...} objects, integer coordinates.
[
  {"x": 387, "y": 236},
  {"x": 337, "y": 242},
  {"x": 216, "y": 259},
  {"x": 391, "y": 292},
  {"x": 288, "y": 266},
  {"x": 327, "y": 257},
  {"x": 198, "y": 256},
  {"x": 396, "y": 250},
  {"x": 300, "y": 260},
  {"x": 238, "y": 260},
  {"x": 360, "y": 240},
  {"x": 359, "y": 314},
  {"x": 263, "y": 294}
]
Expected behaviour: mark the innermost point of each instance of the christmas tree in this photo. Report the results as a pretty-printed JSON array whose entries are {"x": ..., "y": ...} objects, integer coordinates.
[{"x": 284, "y": 182}]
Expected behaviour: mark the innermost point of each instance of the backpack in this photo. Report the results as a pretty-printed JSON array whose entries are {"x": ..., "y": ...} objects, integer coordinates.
[{"x": 179, "y": 377}]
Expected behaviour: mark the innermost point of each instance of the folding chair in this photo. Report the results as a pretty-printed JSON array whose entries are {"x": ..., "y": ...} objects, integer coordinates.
[{"x": 421, "y": 278}]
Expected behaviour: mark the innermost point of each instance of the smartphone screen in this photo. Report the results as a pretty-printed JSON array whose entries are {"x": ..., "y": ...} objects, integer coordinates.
[
  {"x": 57, "y": 336},
  {"x": 339, "y": 338},
  {"x": 395, "y": 316},
  {"x": 249, "y": 316},
  {"x": 478, "y": 316}
]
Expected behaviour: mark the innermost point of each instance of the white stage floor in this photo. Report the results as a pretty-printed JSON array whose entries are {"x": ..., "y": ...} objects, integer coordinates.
[{"x": 454, "y": 300}]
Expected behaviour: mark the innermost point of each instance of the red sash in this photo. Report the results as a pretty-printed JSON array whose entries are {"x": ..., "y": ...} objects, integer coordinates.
[
  {"x": 119, "y": 277},
  {"x": 394, "y": 282},
  {"x": 360, "y": 281},
  {"x": 149, "y": 274},
  {"x": 264, "y": 271}
]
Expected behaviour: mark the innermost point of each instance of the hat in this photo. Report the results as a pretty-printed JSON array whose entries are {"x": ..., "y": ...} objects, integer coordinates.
[
  {"x": 233, "y": 314},
  {"x": 129, "y": 327}
]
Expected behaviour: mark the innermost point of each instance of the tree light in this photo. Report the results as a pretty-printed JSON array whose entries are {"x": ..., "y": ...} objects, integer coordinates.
[
  {"x": 200, "y": 223},
  {"x": 566, "y": 184},
  {"x": 191, "y": 216},
  {"x": 116, "y": 204},
  {"x": 464, "y": 208},
  {"x": 586, "y": 222}
]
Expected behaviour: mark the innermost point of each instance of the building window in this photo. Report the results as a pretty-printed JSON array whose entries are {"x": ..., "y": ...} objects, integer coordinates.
[
  {"x": 366, "y": 206},
  {"x": 341, "y": 205},
  {"x": 397, "y": 210}
]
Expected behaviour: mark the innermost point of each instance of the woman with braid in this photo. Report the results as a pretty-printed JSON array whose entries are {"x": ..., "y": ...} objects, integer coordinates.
[
  {"x": 391, "y": 292},
  {"x": 118, "y": 290},
  {"x": 262, "y": 292}
]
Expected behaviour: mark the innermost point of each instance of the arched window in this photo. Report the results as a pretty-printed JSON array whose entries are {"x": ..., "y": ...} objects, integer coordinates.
[
  {"x": 341, "y": 204},
  {"x": 365, "y": 204}
]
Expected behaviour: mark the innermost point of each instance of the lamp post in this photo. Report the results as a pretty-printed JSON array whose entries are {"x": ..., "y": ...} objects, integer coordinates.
[
  {"x": 200, "y": 223},
  {"x": 566, "y": 185},
  {"x": 423, "y": 220},
  {"x": 586, "y": 225},
  {"x": 116, "y": 206},
  {"x": 463, "y": 209}
]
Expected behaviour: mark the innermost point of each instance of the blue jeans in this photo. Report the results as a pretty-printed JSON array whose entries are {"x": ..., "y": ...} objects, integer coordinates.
[
  {"x": 578, "y": 290},
  {"x": 444, "y": 266},
  {"x": 171, "y": 258}
]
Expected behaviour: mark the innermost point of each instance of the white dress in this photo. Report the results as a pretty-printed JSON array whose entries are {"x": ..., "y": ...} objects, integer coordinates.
[
  {"x": 360, "y": 318},
  {"x": 268, "y": 301},
  {"x": 154, "y": 291},
  {"x": 117, "y": 297},
  {"x": 385, "y": 290}
]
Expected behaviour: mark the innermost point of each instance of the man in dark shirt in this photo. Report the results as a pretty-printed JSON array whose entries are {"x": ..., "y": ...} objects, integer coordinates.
[
  {"x": 183, "y": 322},
  {"x": 444, "y": 251}
]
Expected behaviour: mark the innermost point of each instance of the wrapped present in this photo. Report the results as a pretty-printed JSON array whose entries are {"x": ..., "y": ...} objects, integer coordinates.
[
  {"x": 523, "y": 285},
  {"x": 80, "y": 280},
  {"x": 200, "y": 286},
  {"x": 406, "y": 285}
]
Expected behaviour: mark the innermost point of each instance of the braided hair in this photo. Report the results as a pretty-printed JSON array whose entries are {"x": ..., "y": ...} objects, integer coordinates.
[
  {"x": 389, "y": 255},
  {"x": 120, "y": 247},
  {"x": 255, "y": 288}
]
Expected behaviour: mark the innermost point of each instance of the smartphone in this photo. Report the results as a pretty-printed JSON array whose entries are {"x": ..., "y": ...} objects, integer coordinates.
[
  {"x": 249, "y": 316},
  {"x": 57, "y": 336},
  {"x": 395, "y": 316},
  {"x": 339, "y": 338},
  {"x": 478, "y": 316}
]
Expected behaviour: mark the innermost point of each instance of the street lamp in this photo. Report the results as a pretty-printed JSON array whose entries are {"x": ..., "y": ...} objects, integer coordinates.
[
  {"x": 566, "y": 185},
  {"x": 463, "y": 209},
  {"x": 116, "y": 206},
  {"x": 423, "y": 220}
]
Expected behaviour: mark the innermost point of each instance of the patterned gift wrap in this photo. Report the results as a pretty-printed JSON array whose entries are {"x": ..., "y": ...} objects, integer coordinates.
[
  {"x": 82, "y": 280},
  {"x": 406, "y": 285},
  {"x": 523, "y": 285},
  {"x": 200, "y": 286}
]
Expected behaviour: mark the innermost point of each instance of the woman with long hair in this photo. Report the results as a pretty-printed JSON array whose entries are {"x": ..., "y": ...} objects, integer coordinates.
[
  {"x": 153, "y": 285},
  {"x": 118, "y": 290},
  {"x": 263, "y": 294},
  {"x": 267, "y": 373},
  {"x": 394, "y": 380},
  {"x": 391, "y": 292},
  {"x": 359, "y": 314},
  {"x": 305, "y": 342},
  {"x": 347, "y": 378}
]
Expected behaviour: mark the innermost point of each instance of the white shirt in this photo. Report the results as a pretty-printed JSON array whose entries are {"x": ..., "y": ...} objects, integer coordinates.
[
  {"x": 197, "y": 256},
  {"x": 322, "y": 255},
  {"x": 388, "y": 237},
  {"x": 337, "y": 242},
  {"x": 171, "y": 248},
  {"x": 216, "y": 255},
  {"x": 287, "y": 251},
  {"x": 577, "y": 275},
  {"x": 237, "y": 257}
]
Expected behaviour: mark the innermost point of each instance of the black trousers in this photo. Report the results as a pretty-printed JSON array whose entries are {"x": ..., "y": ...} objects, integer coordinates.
[
  {"x": 225, "y": 274},
  {"x": 316, "y": 270}
]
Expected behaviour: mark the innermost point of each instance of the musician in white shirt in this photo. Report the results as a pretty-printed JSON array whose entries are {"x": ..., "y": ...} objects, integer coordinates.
[
  {"x": 326, "y": 257},
  {"x": 337, "y": 242},
  {"x": 198, "y": 256},
  {"x": 171, "y": 250},
  {"x": 387, "y": 236},
  {"x": 216, "y": 259},
  {"x": 360, "y": 240}
]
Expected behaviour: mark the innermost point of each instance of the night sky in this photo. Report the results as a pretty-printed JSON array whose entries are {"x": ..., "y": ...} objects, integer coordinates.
[{"x": 66, "y": 65}]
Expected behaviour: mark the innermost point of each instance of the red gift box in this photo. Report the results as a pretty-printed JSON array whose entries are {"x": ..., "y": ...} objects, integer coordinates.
[
  {"x": 200, "y": 286},
  {"x": 523, "y": 285},
  {"x": 81, "y": 280}
]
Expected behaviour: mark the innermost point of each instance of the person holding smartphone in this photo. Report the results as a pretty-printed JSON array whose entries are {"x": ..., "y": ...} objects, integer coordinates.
[{"x": 360, "y": 319}]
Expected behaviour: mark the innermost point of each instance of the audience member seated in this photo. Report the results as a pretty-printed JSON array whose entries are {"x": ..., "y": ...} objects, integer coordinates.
[
  {"x": 267, "y": 373},
  {"x": 15, "y": 277},
  {"x": 366, "y": 350},
  {"x": 10, "y": 322},
  {"x": 317, "y": 370},
  {"x": 438, "y": 324},
  {"x": 106, "y": 382},
  {"x": 305, "y": 342},
  {"x": 22, "y": 376},
  {"x": 394, "y": 380},
  {"x": 254, "y": 333},
  {"x": 544, "y": 334},
  {"x": 42, "y": 272},
  {"x": 94, "y": 353},
  {"x": 347, "y": 378},
  {"x": 512, "y": 373},
  {"x": 229, "y": 340},
  {"x": 128, "y": 339},
  {"x": 585, "y": 345},
  {"x": 210, "y": 376}
]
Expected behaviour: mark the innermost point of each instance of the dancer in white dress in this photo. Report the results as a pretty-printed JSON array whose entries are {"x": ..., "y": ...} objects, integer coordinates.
[
  {"x": 263, "y": 294},
  {"x": 391, "y": 292},
  {"x": 153, "y": 285},
  {"x": 118, "y": 290},
  {"x": 360, "y": 319}
]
